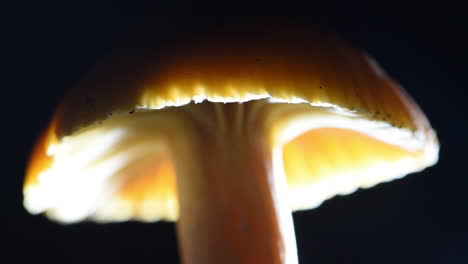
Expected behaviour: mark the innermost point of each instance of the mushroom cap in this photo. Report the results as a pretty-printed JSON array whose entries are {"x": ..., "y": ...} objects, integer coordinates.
[{"x": 352, "y": 126}]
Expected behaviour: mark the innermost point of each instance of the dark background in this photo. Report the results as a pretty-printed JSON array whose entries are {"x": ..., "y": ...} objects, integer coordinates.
[{"x": 419, "y": 219}]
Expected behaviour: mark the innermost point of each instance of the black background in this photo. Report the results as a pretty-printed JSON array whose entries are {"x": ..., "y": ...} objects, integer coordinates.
[{"x": 419, "y": 219}]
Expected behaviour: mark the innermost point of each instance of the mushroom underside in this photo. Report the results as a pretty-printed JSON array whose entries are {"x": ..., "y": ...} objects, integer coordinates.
[{"x": 126, "y": 165}]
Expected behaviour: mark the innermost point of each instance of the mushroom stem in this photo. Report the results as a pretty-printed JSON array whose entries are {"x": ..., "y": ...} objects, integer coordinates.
[{"x": 230, "y": 200}]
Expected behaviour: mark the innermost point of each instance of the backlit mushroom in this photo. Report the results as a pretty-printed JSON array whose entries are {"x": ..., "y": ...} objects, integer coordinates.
[{"x": 226, "y": 134}]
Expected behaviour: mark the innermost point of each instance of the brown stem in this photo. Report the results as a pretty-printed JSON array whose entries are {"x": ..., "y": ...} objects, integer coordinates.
[{"x": 229, "y": 202}]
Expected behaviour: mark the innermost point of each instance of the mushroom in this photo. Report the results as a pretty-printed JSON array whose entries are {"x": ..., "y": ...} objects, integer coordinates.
[{"x": 226, "y": 134}]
